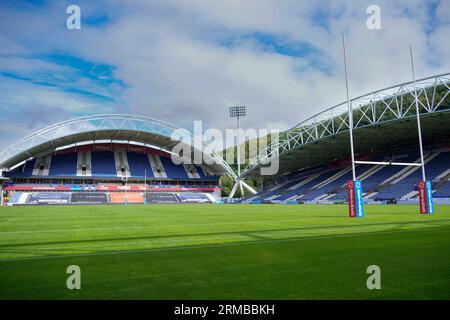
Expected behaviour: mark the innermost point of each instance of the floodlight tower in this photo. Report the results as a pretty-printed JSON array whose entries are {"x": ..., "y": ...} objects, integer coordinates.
[{"x": 238, "y": 112}]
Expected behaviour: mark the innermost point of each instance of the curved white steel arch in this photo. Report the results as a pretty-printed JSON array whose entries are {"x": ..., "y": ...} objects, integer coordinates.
[
  {"x": 96, "y": 124},
  {"x": 373, "y": 108}
]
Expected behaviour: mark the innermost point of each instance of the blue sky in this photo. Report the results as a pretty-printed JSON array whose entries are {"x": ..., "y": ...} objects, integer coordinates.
[{"x": 187, "y": 60}]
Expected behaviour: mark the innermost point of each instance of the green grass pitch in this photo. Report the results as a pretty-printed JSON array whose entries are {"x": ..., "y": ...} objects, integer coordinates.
[{"x": 223, "y": 252}]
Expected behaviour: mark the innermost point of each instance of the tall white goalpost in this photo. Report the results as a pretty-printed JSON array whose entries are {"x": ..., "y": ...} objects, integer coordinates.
[{"x": 354, "y": 186}]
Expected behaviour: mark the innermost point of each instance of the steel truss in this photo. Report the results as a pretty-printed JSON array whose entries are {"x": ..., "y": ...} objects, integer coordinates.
[{"x": 378, "y": 107}]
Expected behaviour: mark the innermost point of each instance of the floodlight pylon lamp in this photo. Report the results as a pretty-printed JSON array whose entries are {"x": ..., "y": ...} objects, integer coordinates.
[{"x": 239, "y": 112}]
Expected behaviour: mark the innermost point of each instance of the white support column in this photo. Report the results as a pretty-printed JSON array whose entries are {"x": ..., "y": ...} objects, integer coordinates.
[
  {"x": 246, "y": 186},
  {"x": 233, "y": 191}
]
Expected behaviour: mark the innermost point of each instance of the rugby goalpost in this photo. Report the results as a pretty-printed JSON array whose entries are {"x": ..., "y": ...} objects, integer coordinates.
[{"x": 354, "y": 187}]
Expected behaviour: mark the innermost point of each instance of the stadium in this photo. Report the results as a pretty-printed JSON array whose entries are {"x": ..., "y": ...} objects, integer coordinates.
[
  {"x": 314, "y": 155},
  {"x": 128, "y": 159},
  {"x": 104, "y": 193}
]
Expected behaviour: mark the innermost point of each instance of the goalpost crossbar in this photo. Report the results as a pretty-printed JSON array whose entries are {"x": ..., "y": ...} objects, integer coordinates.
[{"x": 391, "y": 163}]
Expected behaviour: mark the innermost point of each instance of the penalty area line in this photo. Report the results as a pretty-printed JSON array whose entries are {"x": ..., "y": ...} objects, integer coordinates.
[{"x": 218, "y": 245}]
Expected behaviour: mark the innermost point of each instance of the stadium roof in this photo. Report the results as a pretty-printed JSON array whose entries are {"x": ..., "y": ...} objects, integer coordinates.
[
  {"x": 383, "y": 120},
  {"x": 115, "y": 128}
]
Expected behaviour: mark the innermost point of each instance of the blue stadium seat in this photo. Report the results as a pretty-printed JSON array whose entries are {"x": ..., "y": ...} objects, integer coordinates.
[
  {"x": 277, "y": 191},
  {"x": 29, "y": 166},
  {"x": 24, "y": 170},
  {"x": 203, "y": 176},
  {"x": 443, "y": 192},
  {"x": 138, "y": 163},
  {"x": 103, "y": 164},
  {"x": 64, "y": 165},
  {"x": 328, "y": 188},
  {"x": 388, "y": 171},
  {"x": 173, "y": 171},
  {"x": 433, "y": 168},
  {"x": 302, "y": 189}
]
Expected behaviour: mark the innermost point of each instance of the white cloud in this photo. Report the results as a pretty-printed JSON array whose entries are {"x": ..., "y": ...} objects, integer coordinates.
[{"x": 172, "y": 57}]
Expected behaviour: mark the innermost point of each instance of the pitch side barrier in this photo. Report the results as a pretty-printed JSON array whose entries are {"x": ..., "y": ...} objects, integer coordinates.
[
  {"x": 371, "y": 202},
  {"x": 91, "y": 198}
]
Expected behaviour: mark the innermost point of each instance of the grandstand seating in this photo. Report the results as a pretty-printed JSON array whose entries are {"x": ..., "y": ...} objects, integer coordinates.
[
  {"x": 24, "y": 170},
  {"x": 380, "y": 181},
  {"x": 28, "y": 168},
  {"x": 409, "y": 183},
  {"x": 109, "y": 164},
  {"x": 173, "y": 171},
  {"x": 385, "y": 173},
  {"x": 139, "y": 163},
  {"x": 340, "y": 187},
  {"x": 273, "y": 193},
  {"x": 64, "y": 165},
  {"x": 103, "y": 164},
  {"x": 329, "y": 187},
  {"x": 300, "y": 190},
  {"x": 203, "y": 175},
  {"x": 94, "y": 175},
  {"x": 444, "y": 191},
  {"x": 42, "y": 166}
]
